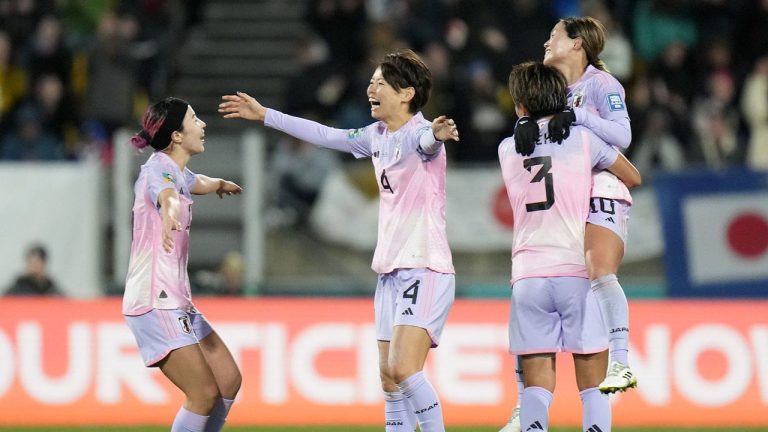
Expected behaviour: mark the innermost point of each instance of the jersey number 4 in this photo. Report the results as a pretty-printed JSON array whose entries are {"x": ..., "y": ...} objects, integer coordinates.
[{"x": 542, "y": 174}]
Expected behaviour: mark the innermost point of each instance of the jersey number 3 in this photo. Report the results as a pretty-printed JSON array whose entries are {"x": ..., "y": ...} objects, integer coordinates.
[{"x": 542, "y": 174}]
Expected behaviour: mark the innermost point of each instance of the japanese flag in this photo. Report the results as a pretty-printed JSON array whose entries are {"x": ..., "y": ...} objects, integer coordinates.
[{"x": 727, "y": 237}]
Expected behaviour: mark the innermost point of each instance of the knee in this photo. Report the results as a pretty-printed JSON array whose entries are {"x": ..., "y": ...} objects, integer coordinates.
[
  {"x": 230, "y": 389},
  {"x": 387, "y": 383},
  {"x": 401, "y": 371},
  {"x": 203, "y": 398},
  {"x": 597, "y": 270}
]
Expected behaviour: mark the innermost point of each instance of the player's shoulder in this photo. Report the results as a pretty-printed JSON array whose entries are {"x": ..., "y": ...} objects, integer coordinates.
[
  {"x": 506, "y": 145},
  {"x": 603, "y": 79}
]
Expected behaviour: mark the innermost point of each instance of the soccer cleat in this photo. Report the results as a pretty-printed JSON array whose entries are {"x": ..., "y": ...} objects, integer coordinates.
[
  {"x": 513, "y": 425},
  {"x": 619, "y": 378}
]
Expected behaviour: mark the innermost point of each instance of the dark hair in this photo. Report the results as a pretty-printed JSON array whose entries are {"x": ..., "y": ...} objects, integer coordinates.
[
  {"x": 541, "y": 89},
  {"x": 402, "y": 69},
  {"x": 592, "y": 34},
  {"x": 159, "y": 122},
  {"x": 38, "y": 250}
]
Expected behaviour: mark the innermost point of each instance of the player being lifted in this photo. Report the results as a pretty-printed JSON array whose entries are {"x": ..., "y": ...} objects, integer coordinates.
[{"x": 595, "y": 100}]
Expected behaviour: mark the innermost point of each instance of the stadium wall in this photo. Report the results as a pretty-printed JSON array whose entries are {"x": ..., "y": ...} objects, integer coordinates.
[{"x": 310, "y": 361}]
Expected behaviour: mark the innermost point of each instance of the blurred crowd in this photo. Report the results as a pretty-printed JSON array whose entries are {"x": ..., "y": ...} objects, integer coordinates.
[
  {"x": 73, "y": 71},
  {"x": 695, "y": 71}
]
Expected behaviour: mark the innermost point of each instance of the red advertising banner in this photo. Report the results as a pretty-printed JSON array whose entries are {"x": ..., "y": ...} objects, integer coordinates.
[{"x": 314, "y": 361}]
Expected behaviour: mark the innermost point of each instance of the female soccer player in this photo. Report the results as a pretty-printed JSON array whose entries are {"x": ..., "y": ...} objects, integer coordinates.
[
  {"x": 416, "y": 282},
  {"x": 595, "y": 100},
  {"x": 553, "y": 307},
  {"x": 171, "y": 333}
]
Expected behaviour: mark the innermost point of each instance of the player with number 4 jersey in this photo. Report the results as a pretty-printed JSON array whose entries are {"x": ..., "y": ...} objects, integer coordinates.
[{"x": 416, "y": 282}]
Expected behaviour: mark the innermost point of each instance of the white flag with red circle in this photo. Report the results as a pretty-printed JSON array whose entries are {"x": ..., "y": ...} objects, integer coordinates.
[{"x": 726, "y": 237}]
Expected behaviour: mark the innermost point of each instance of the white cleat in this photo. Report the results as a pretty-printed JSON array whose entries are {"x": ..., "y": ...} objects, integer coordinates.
[
  {"x": 618, "y": 379},
  {"x": 513, "y": 425}
]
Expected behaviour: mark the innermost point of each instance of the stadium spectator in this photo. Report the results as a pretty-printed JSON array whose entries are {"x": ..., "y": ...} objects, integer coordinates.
[
  {"x": 13, "y": 78},
  {"x": 29, "y": 139},
  {"x": 754, "y": 108},
  {"x": 35, "y": 281}
]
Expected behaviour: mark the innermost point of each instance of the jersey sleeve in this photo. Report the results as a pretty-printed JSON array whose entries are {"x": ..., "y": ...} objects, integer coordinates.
[
  {"x": 190, "y": 179},
  {"x": 160, "y": 178},
  {"x": 426, "y": 144},
  {"x": 603, "y": 155},
  {"x": 355, "y": 141},
  {"x": 611, "y": 123}
]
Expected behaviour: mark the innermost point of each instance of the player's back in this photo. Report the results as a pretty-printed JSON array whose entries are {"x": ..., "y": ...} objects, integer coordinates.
[{"x": 549, "y": 193}]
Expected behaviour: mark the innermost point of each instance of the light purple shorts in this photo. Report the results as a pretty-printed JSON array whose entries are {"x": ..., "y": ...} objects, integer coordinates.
[
  {"x": 557, "y": 314},
  {"x": 416, "y": 297},
  {"x": 160, "y": 331},
  {"x": 610, "y": 213}
]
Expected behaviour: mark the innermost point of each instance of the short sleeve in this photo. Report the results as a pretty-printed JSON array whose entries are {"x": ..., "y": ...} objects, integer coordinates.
[{"x": 160, "y": 178}]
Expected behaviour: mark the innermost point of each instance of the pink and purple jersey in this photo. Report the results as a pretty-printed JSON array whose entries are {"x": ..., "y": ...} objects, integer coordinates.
[
  {"x": 598, "y": 102},
  {"x": 158, "y": 279},
  {"x": 412, "y": 232},
  {"x": 549, "y": 193}
]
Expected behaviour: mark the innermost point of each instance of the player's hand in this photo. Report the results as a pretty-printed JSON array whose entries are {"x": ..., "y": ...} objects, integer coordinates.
[
  {"x": 526, "y": 136},
  {"x": 241, "y": 105},
  {"x": 169, "y": 225},
  {"x": 228, "y": 188},
  {"x": 444, "y": 129},
  {"x": 560, "y": 125}
]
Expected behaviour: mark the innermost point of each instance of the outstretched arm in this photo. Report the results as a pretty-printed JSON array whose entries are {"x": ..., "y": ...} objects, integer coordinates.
[
  {"x": 205, "y": 185},
  {"x": 169, "y": 213},
  {"x": 241, "y": 105}
]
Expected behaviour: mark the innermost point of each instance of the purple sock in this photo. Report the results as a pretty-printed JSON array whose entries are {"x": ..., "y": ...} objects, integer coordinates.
[
  {"x": 422, "y": 399},
  {"x": 219, "y": 415},
  {"x": 596, "y": 409},
  {"x": 398, "y": 415},
  {"x": 615, "y": 309},
  {"x": 187, "y": 421},
  {"x": 534, "y": 409}
]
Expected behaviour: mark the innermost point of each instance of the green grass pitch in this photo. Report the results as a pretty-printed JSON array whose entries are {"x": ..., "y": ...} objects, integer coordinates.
[{"x": 356, "y": 429}]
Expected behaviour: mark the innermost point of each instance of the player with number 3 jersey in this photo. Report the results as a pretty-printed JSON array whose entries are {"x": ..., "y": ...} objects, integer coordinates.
[{"x": 553, "y": 308}]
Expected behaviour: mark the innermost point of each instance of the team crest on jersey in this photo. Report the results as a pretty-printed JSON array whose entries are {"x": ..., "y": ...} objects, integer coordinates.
[
  {"x": 168, "y": 178},
  {"x": 354, "y": 133},
  {"x": 615, "y": 103},
  {"x": 186, "y": 326},
  {"x": 578, "y": 100}
]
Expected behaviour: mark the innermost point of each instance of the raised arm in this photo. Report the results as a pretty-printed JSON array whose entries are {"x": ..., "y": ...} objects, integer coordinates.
[
  {"x": 241, "y": 105},
  {"x": 169, "y": 213},
  {"x": 443, "y": 129},
  {"x": 205, "y": 185}
]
